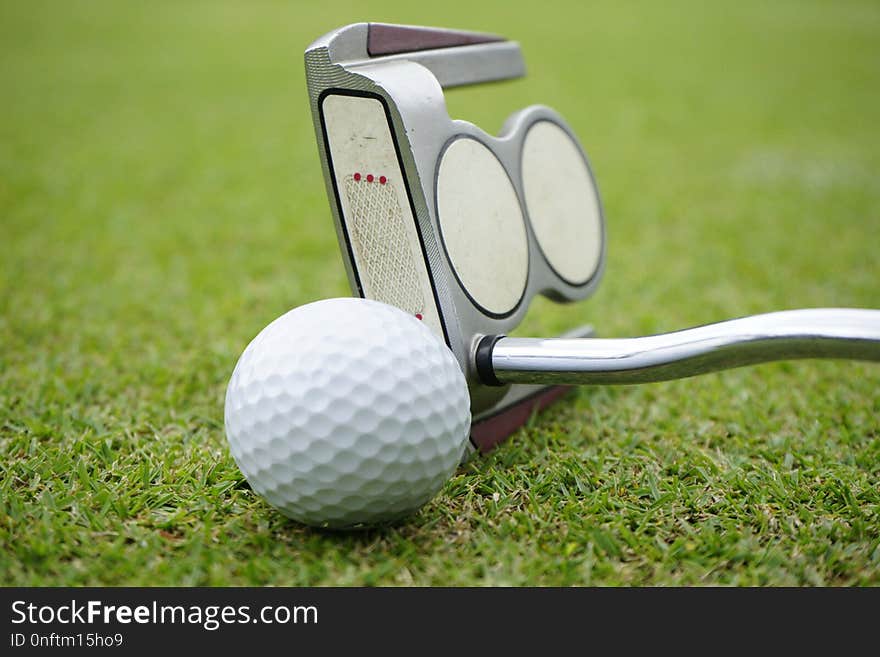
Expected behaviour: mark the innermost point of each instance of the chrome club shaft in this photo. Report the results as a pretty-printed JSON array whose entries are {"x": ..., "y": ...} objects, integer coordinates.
[{"x": 842, "y": 333}]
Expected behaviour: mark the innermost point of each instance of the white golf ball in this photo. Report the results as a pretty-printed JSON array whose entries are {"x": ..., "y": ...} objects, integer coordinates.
[{"x": 347, "y": 412}]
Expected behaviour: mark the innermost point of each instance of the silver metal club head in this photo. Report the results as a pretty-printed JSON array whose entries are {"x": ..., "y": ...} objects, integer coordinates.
[{"x": 456, "y": 226}]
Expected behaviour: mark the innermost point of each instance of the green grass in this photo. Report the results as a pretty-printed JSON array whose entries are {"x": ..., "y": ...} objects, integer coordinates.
[{"x": 161, "y": 201}]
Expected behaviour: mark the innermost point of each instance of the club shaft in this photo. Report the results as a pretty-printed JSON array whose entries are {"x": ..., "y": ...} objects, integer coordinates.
[{"x": 842, "y": 333}]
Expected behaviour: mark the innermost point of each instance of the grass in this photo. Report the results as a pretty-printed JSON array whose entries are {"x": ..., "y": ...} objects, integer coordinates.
[{"x": 161, "y": 201}]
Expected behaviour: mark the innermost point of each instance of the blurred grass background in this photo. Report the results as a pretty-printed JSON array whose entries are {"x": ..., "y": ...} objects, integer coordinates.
[{"x": 161, "y": 201}]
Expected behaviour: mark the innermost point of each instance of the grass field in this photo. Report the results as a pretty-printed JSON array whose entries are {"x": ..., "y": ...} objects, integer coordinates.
[{"x": 161, "y": 201}]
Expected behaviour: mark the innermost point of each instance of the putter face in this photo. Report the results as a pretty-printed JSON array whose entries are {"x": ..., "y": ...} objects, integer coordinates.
[{"x": 435, "y": 216}]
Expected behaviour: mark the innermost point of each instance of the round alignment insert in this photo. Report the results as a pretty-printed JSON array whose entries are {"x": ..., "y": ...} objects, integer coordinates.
[
  {"x": 562, "y": 201},
  {"x": 482, "y": 226}
]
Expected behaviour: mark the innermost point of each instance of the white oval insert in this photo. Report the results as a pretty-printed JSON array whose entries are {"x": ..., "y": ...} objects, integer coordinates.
[
  {"x": 562, "y": 202},
  {"x": 482, "y": 226}
]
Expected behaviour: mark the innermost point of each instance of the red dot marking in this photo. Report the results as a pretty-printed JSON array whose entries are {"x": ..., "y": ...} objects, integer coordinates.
[
  {"x": 383, "y": 179},
  {"x": 357, "y": 176},
  {"x": 418, "y": 315},
  {"x": 369, "y": 177}
]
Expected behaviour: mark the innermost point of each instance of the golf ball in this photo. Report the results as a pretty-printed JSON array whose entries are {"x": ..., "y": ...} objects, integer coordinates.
[{"x": 347, "y": 412}]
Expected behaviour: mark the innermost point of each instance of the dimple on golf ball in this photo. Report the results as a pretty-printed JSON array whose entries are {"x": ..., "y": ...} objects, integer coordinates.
[{"x": 347, "y": 412}]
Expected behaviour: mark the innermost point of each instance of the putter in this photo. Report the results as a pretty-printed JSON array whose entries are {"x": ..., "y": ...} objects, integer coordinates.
[{"x": 462, "y": 229}]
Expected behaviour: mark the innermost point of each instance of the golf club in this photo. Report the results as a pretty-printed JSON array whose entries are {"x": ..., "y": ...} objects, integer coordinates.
[{"x": 462, "y": 229}]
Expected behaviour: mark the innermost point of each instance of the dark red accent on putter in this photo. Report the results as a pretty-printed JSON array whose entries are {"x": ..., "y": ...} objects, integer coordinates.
[
  {"x": 488, "y": 433},
  {"x": 384, "y": 39}
]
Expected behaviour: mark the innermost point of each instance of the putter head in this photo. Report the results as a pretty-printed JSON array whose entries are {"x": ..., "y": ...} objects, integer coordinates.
[{"x": 439, "y": 218}]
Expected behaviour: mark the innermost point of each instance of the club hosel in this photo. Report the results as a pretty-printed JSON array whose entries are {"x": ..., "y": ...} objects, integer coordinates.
[{"x": 841, "y": 333}]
